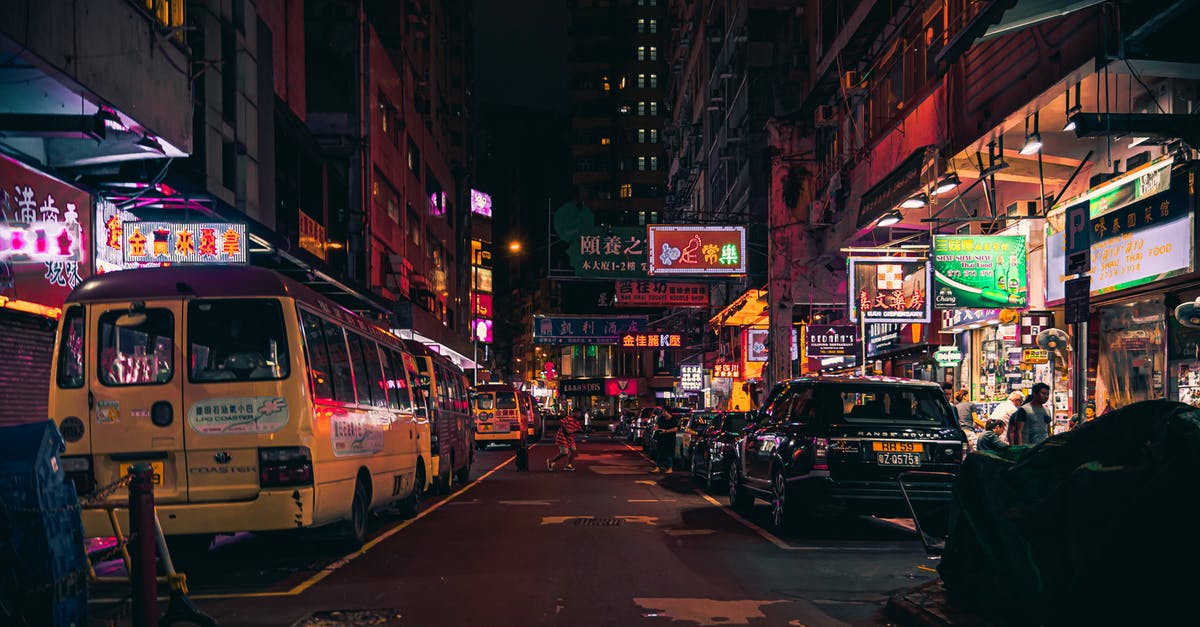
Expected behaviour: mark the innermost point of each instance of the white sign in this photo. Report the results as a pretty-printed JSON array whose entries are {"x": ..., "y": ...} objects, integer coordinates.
[
  {"x": 691, "y": 377},
  {"x": 247, "y": 414},
  {"x": 358, "y": 433},
  {"x": 1160, "y": 250}
]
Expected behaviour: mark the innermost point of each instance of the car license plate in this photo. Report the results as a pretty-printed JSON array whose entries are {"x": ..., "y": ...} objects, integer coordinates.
[
  {"x": 155, "y": 467},
  {"x": 485, "y": 427},
  {"x": 898, "y": 459},
  {"x": 897, "y": 447}
]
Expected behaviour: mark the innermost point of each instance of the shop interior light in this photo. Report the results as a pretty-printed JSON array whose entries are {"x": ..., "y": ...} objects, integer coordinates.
[
  {"x": 889, "y": 218},
  {"x": 916, "y": 201},
  {"x": 947, "y": 183},
  {"x": 1072, "y": 109},
  {"x": 1033, "y": 141}
]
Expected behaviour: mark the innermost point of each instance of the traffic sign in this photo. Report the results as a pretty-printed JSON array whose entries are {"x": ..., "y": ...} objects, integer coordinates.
[
  {"x": 1079, "y": 238},
  {"x": 1077, "y": 304}
]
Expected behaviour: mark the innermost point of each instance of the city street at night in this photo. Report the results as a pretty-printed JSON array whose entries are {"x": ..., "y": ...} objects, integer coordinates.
[{"x": 608, "y": 544}]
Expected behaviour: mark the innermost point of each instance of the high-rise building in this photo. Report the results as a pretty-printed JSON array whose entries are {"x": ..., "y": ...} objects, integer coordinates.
[{"x": 618, "y": 67}]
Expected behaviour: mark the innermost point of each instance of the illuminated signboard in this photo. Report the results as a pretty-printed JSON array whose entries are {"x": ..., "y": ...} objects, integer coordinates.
[
  {"x": 482, "y": 305},
  {"x": 585, "y": 329},
  {"x": 889, "y": 289},
  {"x": 39, "y": 242},
  {"x": 726, "y": 370},
  {"x": 691, "y": 377},
  {"x": 979, "y": 271},
  {"x": 610, "y": 251},
  {"x": 651, "y": 340},
  {"x": 437, "y": 203},
  {"x": 710, "y": 250},
  {"x": 646, "y": 293},
  {"x": 835, "y": 340},
  {"x": 481, "y": 330},
  {"x": 481, "y": 203},
  {"x": 620, "y": 387},
  {"x": 312, "y": 236},
  {"x": 184, "y": 242}
]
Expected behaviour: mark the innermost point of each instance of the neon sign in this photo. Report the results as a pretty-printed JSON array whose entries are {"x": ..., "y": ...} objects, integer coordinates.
[
  {"x": 481, "y": 203},
  {"x": 39, "y": 242},
  {"x": 184, "y": 242},
  {"x": 713, "y": 250}
]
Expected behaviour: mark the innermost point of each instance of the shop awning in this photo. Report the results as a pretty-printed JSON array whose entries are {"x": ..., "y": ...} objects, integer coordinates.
[
  {"x": 749, "y": 309},
  {"x": 1001, "y": 17}
]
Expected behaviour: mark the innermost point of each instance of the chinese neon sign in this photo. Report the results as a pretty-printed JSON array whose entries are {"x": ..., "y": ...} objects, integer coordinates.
[
  {"x": 726, "y": 370},
  {"x": 481, "y": 203},
  {"x": 184, "y": 242},
  {"x": 712, "y": 250},
  {"x": 39, "y": 242},
  {"x": 651, "y": 340},
  {"x": 482, "y": 304}
]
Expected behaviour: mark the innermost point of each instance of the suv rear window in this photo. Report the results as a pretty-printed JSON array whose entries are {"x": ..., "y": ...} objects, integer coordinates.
[{"x": 872, "y": 404}]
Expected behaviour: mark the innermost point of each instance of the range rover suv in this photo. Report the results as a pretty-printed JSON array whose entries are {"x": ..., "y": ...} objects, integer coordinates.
[{"x": 843, "y": 441}]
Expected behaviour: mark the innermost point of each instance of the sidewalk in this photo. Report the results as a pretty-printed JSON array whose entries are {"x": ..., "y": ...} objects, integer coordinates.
[{"x": 927, "y": 605}]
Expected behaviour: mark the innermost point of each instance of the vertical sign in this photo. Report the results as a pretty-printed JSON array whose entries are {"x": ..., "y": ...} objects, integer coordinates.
[
  {"x": 1076, "y": 306},
  {"x": 691, "y": 377},
  {"x": 1079, "y": 238}
]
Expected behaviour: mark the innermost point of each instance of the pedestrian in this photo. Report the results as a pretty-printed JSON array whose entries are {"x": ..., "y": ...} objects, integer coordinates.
[
  {"x": 1030, "y": 424},
  {"x": 948, "y": 390},
  {"x": 565, "y": 440},
  {"x": 1006, "y": 409},
  {"x": 991, "y": 440},
  {"x": 664, "y": 437},
  {"x": 968, "y": 415}
]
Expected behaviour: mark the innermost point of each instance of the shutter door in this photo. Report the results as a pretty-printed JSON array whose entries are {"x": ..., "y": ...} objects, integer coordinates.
[{"x": 26, "y": 348}]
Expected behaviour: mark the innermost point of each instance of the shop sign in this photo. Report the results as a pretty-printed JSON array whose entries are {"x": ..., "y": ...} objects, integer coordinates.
[
  {"x": 312, "y": 236},
  {"x": 1079, "y": 239},
  {"x": 1141, "y": 242},
  {"x": 758, "y": 345},
  {"x": 830, "y": 340},
  {"x": 1033, "y": 323},
  {"x": 889, "y": 289},
  {"x": 697, "y": 250},
  {"x": 948, "y": 356},
  {"x": 584, "y": 387},
  {"x": 1035, "y": 356},
  {"x": 620, "y": 387},
  {"x": 617, "y": 251},
  {"x": 481, "y": 203},
  {"x": 482, "y": 305},
  {"x": 1077, "y": 307},
  {"x": 481, "y": 330},
  {"x": 184, "y": 242},
  {"x": 691, "y": 377},
  {"x": 586, "y": 329},
  {"x": 979, "y": 271},
  {"x": 45, "y": 252},
  {"x": 646, "y": 293},
  {"x": 651, "y": 340},
  {"x": 960, "y": 319},
  {"x": 894, "y": 188},
  {"x": 886, "y": 338},
  {"x": 727, "y": 370}
]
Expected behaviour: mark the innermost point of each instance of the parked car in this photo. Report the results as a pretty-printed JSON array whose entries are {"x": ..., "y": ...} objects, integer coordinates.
[
  {"x": 694, "y": 423},
  {"x": 643, "y": 422},
  {"x": 713, "y": 446},
  {"x": 844, "y": 440}
]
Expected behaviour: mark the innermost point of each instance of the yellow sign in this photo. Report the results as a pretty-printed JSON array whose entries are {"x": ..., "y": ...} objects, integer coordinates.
[
  {"x": 1035, "y": 356},
  {"x": 312, "y": 236}
]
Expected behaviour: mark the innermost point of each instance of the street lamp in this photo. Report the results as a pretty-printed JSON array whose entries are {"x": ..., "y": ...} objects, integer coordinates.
[{"x": 514, "y": 246}]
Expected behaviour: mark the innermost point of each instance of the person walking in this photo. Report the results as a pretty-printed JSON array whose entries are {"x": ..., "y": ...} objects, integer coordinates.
[
  {"x": 664, "y": 438},
  {"x": 991, "y": 439},
  {"x": 1030, "y": 424},
  {"x": 565, "y": 440},
  {"x": 968, "y": 415}
]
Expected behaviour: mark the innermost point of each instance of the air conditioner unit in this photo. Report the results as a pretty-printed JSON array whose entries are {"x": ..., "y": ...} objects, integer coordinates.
[
  {"x": 1021, "y": 209},
  {"x": 824, "y": 116}
]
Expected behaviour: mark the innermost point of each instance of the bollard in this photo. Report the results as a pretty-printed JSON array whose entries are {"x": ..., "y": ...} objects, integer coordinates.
[{"x": 143, "y": 536}]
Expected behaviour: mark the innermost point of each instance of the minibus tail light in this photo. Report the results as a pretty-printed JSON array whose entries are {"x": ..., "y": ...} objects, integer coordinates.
[{"x": 284, "y": 466}]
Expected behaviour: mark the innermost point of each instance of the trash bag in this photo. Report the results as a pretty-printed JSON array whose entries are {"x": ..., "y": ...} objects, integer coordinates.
[{"x": 1089, "y": 526}]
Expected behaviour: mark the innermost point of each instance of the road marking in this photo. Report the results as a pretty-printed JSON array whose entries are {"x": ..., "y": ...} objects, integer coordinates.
[
  {"x": 646, "y": 482},
  {"x": 705, "y": 611},
  {"x": 773, "y": 539},
  {"x": 689, "y": 532},
  {"x": 616, "y": 470},
  {"x": 559, "y": 520},
  {"x": 331, "y": 568},
  {"x": 528, "y": 502}
]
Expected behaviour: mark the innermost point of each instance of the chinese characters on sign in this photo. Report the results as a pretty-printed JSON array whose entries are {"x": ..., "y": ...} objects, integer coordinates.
[
  {"x": 312, "y": 236},
  {"x": 648, "y": 293},
  {"x": 482, "y": 304},
  {"x": 185, "y": 242},
  {"x": 585, "y": 329},
  {"x": 481, "y": 203},
  {"x": 691, "y": 377},
  {"x": 979, "y": 271},
  {"x": 618, "y": 251},
  {"x": 726, "y": 370},
  {"x": 44, "y": 253},
  {"x": 889, "y": 289},
  {"x": 711, "y": 250},
  {"x": 830, "y": 340},
  {"x": 651, "y": 340}
]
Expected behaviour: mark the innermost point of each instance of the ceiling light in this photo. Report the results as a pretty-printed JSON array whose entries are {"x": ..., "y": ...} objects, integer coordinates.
[
  {"x": 916, "y": 201},
  {"x": 150, "y": 142},
  {"x": 1033, "y": 143},
  {"x": 1070, "y": 126},
  {"x": 890, "y": 217},
  {"x": 945, "y": 184},
  {"x": 111, "y": 120}
]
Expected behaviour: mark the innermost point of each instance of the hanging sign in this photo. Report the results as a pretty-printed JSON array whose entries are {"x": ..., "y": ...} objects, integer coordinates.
[
  {"x": 482, "y": 304},
  {"x": 481, "y": 330},
  {"x": 586, "y": 329},
  {"x": 185, "y": 242},
  {"x": 1031, "y": 324},
  {"x": 312, "y": 236},
  {"x": 697, "y": 250},
  {"x": 481, "y": 203},
  {"x": 651, "y": 340},
  {"x": 691, "y": 377},
  {"x": 830, "y": 340},
  {"x": 889, "y": 289},
  {"x": 978, "y": 271},
  {"x": 646, "y": 293},
  {"x": 620, "y": 387},
  {"x": 948, "y": 356},
  {"x": 726, "y": 370},
  {"x": 616, "y": 251},
  {"x": 1035, "y": 356}
]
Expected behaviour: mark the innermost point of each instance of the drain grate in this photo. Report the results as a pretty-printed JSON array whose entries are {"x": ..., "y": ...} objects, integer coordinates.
[
  {"x": 333, "y": 618},
  {"x": 598, "y": 522}
]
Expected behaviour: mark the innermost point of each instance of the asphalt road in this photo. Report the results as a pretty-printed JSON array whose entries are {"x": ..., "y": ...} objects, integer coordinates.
[{"x": 608, "y": 544}]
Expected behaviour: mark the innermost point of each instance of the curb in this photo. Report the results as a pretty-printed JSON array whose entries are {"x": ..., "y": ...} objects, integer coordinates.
[{"x": 909, "y": 613}]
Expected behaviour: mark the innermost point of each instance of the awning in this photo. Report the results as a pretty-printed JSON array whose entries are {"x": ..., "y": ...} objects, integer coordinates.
[
  {"x": 748, "y": 309},
  {"x": 1001, "y": 17}
]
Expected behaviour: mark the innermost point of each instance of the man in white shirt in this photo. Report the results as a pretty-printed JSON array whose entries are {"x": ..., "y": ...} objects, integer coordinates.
[{"x": 1005, "y": 410}]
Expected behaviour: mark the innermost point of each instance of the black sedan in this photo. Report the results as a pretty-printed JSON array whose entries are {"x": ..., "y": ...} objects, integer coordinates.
[{"x": 713, "y": 446}]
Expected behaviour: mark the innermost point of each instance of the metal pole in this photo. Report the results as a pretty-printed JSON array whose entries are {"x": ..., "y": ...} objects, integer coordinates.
[
  {"x": 144, "y": 541},
  {"x": 1079, "y": 380},
  {"x": 862, "y": 340}
]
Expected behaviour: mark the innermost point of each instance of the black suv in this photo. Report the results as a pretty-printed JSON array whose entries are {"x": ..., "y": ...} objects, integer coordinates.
[{"x": 843, "y": 441}]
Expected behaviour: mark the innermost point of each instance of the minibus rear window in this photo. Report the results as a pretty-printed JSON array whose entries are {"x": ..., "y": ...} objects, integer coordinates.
[
  {"x": 485, "y": 401},
  {"x": 136, "y": 348},
  {"x": 506, "y": 400},
  {"x": 236, "y": 340}
]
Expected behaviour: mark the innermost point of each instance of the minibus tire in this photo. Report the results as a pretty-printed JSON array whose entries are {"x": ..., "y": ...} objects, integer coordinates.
[
  {"x": 412, "y": 505},
  {"x": 355, "y": 529}
]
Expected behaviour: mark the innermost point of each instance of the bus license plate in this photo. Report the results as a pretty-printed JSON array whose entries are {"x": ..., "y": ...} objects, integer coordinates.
[
  {"x": 485, "y": 427},
  {"x": 156, "y": 469},
  {"x": 898, "y": 459}
]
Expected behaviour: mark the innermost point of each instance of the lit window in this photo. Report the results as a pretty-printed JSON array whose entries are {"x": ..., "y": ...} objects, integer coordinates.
[
  {"x": 654, "y": 26},
  {"x": 605, "y": 84},
  {"x": 624, "y": 110},
  {"x": 642, "y": 163},
  {"x": 626, "y": 190},
  {"x": 653, "y": 81},
  {"x": 641, "y": 53},
  {"x": 641, "y": 218},
  {"x": 653, "y": 163},
  {"x": 653, "y": 53},
  {"x": 641, "y": 80},
  {"x": 642, "y": 107},
  {"x": 621, "y": 85},
  {"x": 653, "y": 136},
  {"x": 604, "y": 141},
  {"x": 641, "y": 135},
  {"x": 641, "y": 25},
  {"x": 653, "y": 108}
]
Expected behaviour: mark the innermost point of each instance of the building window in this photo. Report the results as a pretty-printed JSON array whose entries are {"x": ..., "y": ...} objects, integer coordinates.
[
  {"x": 626, "y": 190},
  {"x": 653, "y": 136},
  {"x": 389, "y": 120},
  {"x": 641, "y": 135},
  {"x": 653, "y": 26},
  {"x": 604, "y": 141},
  {"x": 414, "y": 158},
  {"x": 641, "y": 80},
  {"x": 641, "y": 107},
  {"x": 605, "y": 84},
  {"x": 653, "y": 53},
  {"x": 654, "y": 163},
  {"x": 653, "y": 108},
  {"x": 641, "y": 53},
  {"x": 641, "y": 25},
  {"x": 414, "y": 227},
  {"x": 642, "y": 164},
  {"x": 653, "y": 81},
  {"x": 624, "y": 109}
]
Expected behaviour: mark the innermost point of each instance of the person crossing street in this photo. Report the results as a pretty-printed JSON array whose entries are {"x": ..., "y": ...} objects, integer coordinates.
[{"x": 565, "y": 440}]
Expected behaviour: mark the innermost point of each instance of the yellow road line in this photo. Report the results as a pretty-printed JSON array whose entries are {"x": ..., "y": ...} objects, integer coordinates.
[{"x": 330, "y": 569}]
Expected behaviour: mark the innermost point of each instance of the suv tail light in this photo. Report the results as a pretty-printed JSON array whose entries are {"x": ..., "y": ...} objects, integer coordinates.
[
  {"x": 284, "y": 466},
  {"x": 78, "y": 469},
  {"x": 820, "y": 454}
]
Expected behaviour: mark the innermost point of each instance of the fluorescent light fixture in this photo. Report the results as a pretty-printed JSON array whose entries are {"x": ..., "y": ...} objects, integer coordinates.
[
  {"x": 148, "y": 141},
  {"x": 889, "y": 218},
  {"x": 1137, "y": 140},
  {"x": 946, "y": 184},
  {"x": 1033, "y": 143},
  {"x": 112, "y": 121},
  {"x": 916, "y": 201}
]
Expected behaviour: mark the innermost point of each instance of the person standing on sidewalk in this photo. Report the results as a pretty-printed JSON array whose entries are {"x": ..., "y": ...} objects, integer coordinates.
[
  {"x": 565, "y": 440},
  {"x": 1031, "y": 423},
  {"x": 664, "y": 436},
  {"x": 968, "y": 415}
]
